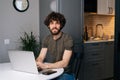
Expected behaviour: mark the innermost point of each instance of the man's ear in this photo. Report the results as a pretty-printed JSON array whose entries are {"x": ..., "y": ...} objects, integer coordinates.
[{"x": 48, "y": 27}]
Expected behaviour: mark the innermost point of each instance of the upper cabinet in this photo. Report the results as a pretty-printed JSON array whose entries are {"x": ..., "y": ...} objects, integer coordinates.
[
  {"x": 103, "y": 7},
  {"x": 90, "y": 6},
  {"x": 106, "y": 7}
]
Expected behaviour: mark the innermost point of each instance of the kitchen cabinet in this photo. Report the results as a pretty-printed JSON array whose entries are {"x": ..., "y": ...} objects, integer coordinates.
[
  {"x": 109, "y": 59},
  {"x": 103, "y": 7},
  {"x": 106, "y": 7},
  {"x": 98, "y": 60},
  {"x": 93, "y": 61},
  {"x": 90, "y": 6}
]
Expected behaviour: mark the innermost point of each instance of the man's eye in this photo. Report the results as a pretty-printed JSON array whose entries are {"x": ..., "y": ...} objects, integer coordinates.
[
  {"x": 58, "y": 22},
  {"x": 51, "y": 22}
]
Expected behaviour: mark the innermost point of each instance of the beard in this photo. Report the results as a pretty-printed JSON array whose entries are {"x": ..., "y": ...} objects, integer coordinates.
[{"x": 55, "y": 31}]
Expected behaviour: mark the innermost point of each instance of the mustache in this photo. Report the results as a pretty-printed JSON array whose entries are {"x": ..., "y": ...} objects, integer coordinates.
[{"x": 54, "y": 28}]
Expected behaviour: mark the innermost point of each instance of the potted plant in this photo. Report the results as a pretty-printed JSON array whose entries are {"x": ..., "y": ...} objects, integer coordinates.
[{"x": 29, "y": 43}]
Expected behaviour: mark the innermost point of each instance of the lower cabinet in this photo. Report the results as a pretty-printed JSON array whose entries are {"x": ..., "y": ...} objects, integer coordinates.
[
  {"x": 109, "y": 59},
  {"x": 97, "y": 63},
  {"x": 94, "y": 70}
]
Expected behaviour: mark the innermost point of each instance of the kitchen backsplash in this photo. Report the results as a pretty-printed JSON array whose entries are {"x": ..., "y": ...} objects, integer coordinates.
[{"x": 106, "y": 20}]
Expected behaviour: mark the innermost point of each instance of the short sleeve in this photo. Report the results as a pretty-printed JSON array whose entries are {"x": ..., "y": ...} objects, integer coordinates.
[
  {"x": 45, "y": 42},
  {"x": 68, "y": 42}
]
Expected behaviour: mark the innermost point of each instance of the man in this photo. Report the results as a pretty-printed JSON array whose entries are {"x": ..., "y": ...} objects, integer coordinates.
[{"x": 57, "y": 47}]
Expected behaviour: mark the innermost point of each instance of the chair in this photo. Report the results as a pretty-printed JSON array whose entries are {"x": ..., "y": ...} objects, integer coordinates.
[{"x": 77, "y": 61}]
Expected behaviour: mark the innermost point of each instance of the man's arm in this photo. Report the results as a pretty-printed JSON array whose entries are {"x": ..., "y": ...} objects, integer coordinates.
[
  {"x": 59, "y": 64},
  {"x": 42, "y": 55},
  {"x": 40, "y": 58},
  {"x": 64, "y": 62}
]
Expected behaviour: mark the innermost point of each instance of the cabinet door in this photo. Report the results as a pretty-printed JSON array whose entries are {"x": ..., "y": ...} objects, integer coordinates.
[
  {"x": 105, "y": 6},
  {"x": 93, "y": 61},
  {"x": 93, "y": 52},
  {"x": 111, "y": 6},
  {"x": 90, "y": 6},
  {"x": 94, "y": 70},
  {"x": 109, "y": 59}
]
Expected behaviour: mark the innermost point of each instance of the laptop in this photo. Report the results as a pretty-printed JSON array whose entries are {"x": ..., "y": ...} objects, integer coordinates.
[{"x": 23, "y": 61}]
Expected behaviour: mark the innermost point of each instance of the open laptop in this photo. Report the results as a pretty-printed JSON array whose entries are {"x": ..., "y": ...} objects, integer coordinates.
[{"x": 23, "y": 61}]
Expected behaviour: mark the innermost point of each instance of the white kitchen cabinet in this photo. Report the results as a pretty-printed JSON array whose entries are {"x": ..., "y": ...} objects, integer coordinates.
[
  {"x": 106, "y": 7},
  {"x": 102, "y": 7}
]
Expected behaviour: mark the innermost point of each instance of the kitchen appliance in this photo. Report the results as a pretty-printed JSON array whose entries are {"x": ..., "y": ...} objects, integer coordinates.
[{"x": 99, "y": 31}]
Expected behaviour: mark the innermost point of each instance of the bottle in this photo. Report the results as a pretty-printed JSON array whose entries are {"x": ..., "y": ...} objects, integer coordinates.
[{"x": 85, "y": 34}]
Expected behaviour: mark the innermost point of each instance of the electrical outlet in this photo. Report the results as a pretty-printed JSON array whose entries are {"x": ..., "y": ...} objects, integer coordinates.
[{"x": 6, "y": 41}]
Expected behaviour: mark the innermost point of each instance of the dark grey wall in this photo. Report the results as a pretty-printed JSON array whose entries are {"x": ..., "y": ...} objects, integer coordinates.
[
  {"x": 14, "y": 23},
  {"x": 45, "y": 9}
]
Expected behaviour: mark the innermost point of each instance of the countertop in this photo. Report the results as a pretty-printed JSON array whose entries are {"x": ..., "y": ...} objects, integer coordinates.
[{"x": 96, "y": 41}]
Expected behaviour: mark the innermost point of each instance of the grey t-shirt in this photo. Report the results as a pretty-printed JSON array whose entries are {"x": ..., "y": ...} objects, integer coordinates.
[{"x": 56, "y": 47}]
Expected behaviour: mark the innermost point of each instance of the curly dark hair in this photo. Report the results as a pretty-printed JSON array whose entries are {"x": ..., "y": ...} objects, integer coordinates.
[{"x": 56, "y": 17}]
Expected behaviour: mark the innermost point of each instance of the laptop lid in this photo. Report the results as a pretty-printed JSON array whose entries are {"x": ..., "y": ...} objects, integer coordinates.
[{"x": 23, "y": 61}]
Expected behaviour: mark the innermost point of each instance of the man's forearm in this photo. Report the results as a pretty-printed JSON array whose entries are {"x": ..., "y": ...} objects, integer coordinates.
[
  {"x": 39, "y": 60},
  {"x": 59, "y": 64}
]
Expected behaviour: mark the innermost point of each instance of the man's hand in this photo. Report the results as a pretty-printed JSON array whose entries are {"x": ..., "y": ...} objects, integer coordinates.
[{"x": 41, "y": 65}]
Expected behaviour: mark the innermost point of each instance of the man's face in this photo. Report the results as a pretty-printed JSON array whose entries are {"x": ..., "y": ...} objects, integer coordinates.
[{"x": 54, "y": 27}]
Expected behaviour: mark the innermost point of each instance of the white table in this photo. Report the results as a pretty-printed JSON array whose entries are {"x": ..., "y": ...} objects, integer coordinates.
[{"x": 6, "y": 73}]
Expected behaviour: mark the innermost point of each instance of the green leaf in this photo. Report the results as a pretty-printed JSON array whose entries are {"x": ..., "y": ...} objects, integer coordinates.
[{"x": 29, "y": 42}]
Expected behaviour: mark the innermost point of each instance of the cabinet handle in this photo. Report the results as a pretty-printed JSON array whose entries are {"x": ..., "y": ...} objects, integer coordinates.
[
  {"x": 110, "y": 9},
  {"x": 95, "y": 64},
  {"x": 95, "y": 44},
  {"x": 109, "y": 43},
  {"x": 95, "y": 54}
]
